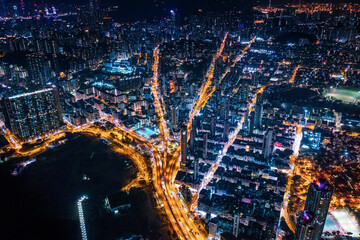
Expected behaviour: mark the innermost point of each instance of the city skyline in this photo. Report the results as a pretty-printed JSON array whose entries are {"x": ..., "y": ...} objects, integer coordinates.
[{"x": 180, "y": 120}]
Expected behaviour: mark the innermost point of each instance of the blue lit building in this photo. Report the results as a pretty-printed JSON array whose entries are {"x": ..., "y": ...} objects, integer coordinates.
[
  {"x": 30, "y": 116},
  {"x": 311, "y": 139},
  {"x": 120, "y": 67}
]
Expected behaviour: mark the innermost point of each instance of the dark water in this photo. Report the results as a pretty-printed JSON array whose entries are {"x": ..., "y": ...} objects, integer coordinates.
[{"x": 41, "y": 202}]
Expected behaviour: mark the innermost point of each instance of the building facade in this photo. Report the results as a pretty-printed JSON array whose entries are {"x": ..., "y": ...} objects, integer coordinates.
[
  {"x": 305, "y": 227},
  {"x": 317, "y": 205},
  {"x": 33, "y": 115},
  {"x": 183, "y": 144}
]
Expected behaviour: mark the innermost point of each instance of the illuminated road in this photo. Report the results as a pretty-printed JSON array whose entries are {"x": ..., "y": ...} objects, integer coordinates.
[
  {"x": 158, "y": 101},
  {"x": 16, "y": 144},
  {"x": 244, "y": 50},
  {"x": 173, "y": 164},
  {"x": 162, "y": 168},
  {"x": 173, "y": 206},
  {"x": 232, "y": 137},
  {"x": 174, "y": 210},
  {"x": 238, "y": 58},
  {"x": 296, "y": 146},
  {"x": 13, "y": 141},
  {"x": 205, "y": 93},
  {"x": 165, "y": 169},
  {"x": 292, "y": 79},
  {"x": 165, "y": 192},
  {"x": 205, "y": 90},
  {"x": 284, "y": 210}
]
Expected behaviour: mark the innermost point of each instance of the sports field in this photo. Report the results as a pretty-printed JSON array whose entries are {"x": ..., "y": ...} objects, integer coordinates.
[
  {"x": 345, "y": 95},
  {"x": 345, "y": 222}
]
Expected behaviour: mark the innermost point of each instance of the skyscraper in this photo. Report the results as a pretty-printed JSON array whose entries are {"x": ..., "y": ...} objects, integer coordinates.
[
  {"x": 39, "y": 68},
  {"x": 213, "y": 125},
  {"x": 205, "y": 142},
  {"x": 318, "y": 201},
  {"x": 305, "y": 226},
  {"x": 225, "y": 108},
  {"x": 196, "y": 169},
  {"x": 243, "y": 91},
  {"x": 183, "y": 144},
  {"x": 213, "y": 227},
  {"x": 255, "y": 79},
  {"x": 251, "y": 123},
  {"x": 311, "y": 221},
  {"x": 192, "y": 140},
  {"x": 246, "y": 124},
  {"x": 226, "y": 129},
  {"x": 33, "y": 114},
  {"x": 258, "y": 112},
  {"x": 236, "y": 224},
  {"x": 267, "y": 144},
  {"x": 174, "y": 116}
]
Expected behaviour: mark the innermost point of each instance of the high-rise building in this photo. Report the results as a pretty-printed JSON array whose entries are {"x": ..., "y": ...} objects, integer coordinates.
[
  {"x": 32, "y": 115},
  {"x": 246, "y": 124},
  {"x": 213, "y": 125},
  {"x": 39, "y": 68},
  {"x": 165, "y": 86},
  {"x": 236, "y": 224},
  {"x": 226, "y": 129},
  {"x": 305, "y": 227},
  {"x": 197, "y": 124},
  {"x": 311, "y": 221},
  {"x": 258, "y": 112},
  {"x": 225, "y": 108},
  {"x": 183, "y": 145},
  {"x": 243, "y": 91},
  {"x": 196, "y": 170},
  {"x": 318, "y": 201},
  {"x": 174, "y": 117},
  {"x": 192, "y": 140},
  {"x": 205, "y": 148},
  {"x": 267, "y": 144},
  {"x": 192, "y": 92},
  {"x": 251, "y": 123},
  {"x": 255, "y": 78}
]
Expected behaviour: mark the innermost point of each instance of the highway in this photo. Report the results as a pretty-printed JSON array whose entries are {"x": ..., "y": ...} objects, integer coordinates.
[
  {"x": 165, "y": 191},
  {"x": 166, "y": 167},
  {"x": 162, "y": 168},
  {"x": 158, "y": 101},
  {"x": 165, "y": 170}
]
